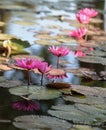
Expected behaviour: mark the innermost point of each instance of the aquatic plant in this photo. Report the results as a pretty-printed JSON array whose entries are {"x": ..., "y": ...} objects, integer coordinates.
[
  {"x": 78, "y": 34},
  {"x": 43, "y": 68},
  {"x": 59, "y": 51},
  {"x": 28, "y": 64},
  {"x": 89, "y": 12}
]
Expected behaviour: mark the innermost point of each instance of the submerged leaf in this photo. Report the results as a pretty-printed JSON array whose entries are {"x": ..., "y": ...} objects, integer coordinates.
[{"x": 41, "y": 122}]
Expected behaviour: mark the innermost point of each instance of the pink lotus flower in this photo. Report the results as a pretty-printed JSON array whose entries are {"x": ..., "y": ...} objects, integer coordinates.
[
  {"x": 89, "y": 12},
  {"x": 25, "y": 105},
  {"x": 78, "y": 34},
  {"x": 59, "y": 51},
  {"x": 43, "y": 67},
  {"x": 83, "y": 18},
  {"x": 26, "y": 63},
  {"x": 80, "y": 53}
]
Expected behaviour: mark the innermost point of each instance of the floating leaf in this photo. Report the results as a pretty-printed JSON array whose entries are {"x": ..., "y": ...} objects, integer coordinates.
[
  {"x": 4, "y": 67},
  {"x": 19, "y": 91},
  {"x": 96, "y": 20},
  {"x": 41, "y": 122},
  {"x": 36, "y": 92},
  {"x": 16, "y": 57},
  {"x": 93, "y": 59},
  {"x": 96, "y": 53},
  {"x": 91, "y": 75},
  {"x": 86, "y": 90},
  {"x": 2, "y": 23},
  {"x": 77, "y": 71},
  {"x": 79, "y": 114},
  {"x": 47, "y": 42},
  {"x": 4, "y": 60},
  {"x": 84, "y": 127},
  {"x": 58, "y": 85},
  {"x": 4, "y": 36},
  {"x": 40, "y": 93},
  {"x": 2, "y": 79},
  {"x": 9, "y": 84},
  {"x": 92, "y": 100},
  {"x": 24, "y": 23},
  {"x": 70, "y": 113},
  {"x": 12, "y": 7}
]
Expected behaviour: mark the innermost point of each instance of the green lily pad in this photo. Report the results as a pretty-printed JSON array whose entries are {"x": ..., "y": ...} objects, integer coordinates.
[
  {"x": 47, "y": 42},
  {"x": 2, "y": 79},
  {"x": 92, "y": 100},
  {"x": 36, "y": 92},
  {"x": 4, "y": 36},
  {"x": 19, "y": 91},
  {"x": 79, "y": 114},
  {"x": 77, "y": 71},
  {"x": 84, "y": 127},
  {"x": 10, "y": 84},
  {"x": 96, "y": 53},
  {"x": 12, "y": 7},
  {"x": 93, "y": 59},
  {"x": 24, "y": 23},
  {"x": 86, "y": 90},
  {"x": 41, "y": 93},
  {"x": 41, "y": 122}
]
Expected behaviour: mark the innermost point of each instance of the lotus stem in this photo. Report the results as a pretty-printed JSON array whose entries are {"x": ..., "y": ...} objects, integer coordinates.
[
  {"x": 28, "y": 78},
  {"x": 42, "y": 79},
  {"x": 86, "y": 36},
  {"x": 58, "y": 58}
]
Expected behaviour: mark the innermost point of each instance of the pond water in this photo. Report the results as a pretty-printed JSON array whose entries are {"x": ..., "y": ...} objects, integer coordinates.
[{"x": 32, "y": 21}]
